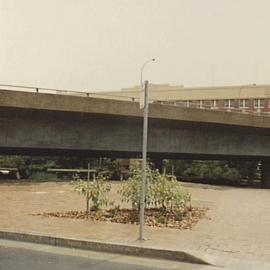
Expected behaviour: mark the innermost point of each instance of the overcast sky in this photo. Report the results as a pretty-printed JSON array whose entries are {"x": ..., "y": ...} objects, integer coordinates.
[{"x": 101, "y": 44}]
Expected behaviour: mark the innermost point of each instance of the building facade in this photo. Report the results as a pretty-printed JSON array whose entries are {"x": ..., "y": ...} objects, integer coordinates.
[{"x": 254, "y": 99}]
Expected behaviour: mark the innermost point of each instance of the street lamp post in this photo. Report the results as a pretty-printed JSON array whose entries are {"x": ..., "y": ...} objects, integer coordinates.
[
  {"x": 144, "y": 151},
  {"x": 142, "y": 68}
]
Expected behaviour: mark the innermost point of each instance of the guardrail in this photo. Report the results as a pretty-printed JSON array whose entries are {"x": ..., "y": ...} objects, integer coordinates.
[
  {"x": 43, "y": 90},
  {"x": 178, "y": 103}
]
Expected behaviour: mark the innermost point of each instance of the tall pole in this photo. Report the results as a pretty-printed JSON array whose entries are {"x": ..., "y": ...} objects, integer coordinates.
[
  {"x": 144, "y": 150},
  {"x": 87, "y": 193},
  {"x": 144, "y": 161},
  {"x": 142, "y": 68}
]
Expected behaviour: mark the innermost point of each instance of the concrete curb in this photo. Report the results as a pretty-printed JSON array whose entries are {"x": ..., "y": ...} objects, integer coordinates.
[{"x": 125, "y": 249}]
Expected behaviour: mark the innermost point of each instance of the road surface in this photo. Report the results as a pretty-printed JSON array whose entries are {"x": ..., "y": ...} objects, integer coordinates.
[{"x": 27, "y": 256}]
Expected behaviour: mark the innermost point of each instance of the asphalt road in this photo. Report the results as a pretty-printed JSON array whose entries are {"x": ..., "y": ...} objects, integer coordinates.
[
  {"x": 12, "y": 258},
  {"x": 26, "y": 256}
]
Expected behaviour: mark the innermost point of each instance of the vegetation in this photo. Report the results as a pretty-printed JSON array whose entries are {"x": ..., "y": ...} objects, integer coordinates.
[
  {"x": 32, "y": 167},
  {"x": 163, "y": 191},
  {"x": 95, "y": 191},
  {"x": 41, "y": 176},
  {"x": 217, "y": 172},
  {"x": 168, "y": 204},
  {"x": 213, "y": 170}
]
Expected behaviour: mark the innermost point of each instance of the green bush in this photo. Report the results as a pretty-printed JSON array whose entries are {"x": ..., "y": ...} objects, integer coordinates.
[
  {"x": 212, "y": 170},
  {"x": 168, "y": 192},
  {"x": 163, "y": 191},
  {"x": 95, "y": 191},
  {"x": 43, "y": 176}
]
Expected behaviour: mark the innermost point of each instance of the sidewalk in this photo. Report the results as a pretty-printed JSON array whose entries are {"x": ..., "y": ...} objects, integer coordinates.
[{"x": 238, "y": 229}]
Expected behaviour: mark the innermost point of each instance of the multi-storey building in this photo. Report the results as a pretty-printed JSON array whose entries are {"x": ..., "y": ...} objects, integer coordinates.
[{"x": 246, "y": 98}]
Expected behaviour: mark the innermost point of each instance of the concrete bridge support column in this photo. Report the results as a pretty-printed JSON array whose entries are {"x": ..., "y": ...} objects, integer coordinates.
[{"x": 265, "y": 174}]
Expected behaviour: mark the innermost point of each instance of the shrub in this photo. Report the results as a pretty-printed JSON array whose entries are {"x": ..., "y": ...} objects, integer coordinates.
[
  {"x": 163, "y": 191},
  {"x": 95, "y": 191},
  {"x": 43, "y": 176},
  {"x": 168, "y": 192},
  {"x": 213, "y": 170}
]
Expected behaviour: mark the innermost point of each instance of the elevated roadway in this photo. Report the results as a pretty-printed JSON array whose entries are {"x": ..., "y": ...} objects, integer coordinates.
[
  {"x": 53, "y": 124},
  {"x": 50, "y": 123}
]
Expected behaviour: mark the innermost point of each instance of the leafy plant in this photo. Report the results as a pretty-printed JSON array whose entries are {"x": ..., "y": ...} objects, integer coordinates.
[
  {"x": 163, "y": 191},
  {"x": 43, "y": 176},
  {"x": 95, "y": 191},
  {"x": 168, "y": 192}
]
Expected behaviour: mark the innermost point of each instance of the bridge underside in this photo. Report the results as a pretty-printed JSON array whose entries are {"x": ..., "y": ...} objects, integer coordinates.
[{"x": 118, "y": 154}]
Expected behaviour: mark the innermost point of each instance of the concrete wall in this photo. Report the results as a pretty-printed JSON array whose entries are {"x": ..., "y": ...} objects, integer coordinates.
[
  {"x": 85, "y": 105},
  {"x": 57, "y": 132},
  {"x": 37, "y": 123}
]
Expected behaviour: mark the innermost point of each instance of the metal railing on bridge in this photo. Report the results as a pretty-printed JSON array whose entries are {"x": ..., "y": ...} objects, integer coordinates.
[{"x": 116, "y": 96}]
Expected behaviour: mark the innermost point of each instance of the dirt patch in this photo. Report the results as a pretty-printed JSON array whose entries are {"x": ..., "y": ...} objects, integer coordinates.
[{"x": 180, "y": 219}]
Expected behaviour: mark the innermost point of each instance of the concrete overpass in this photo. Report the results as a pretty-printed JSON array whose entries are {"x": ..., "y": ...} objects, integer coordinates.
[{"x": 35, "y": 123}]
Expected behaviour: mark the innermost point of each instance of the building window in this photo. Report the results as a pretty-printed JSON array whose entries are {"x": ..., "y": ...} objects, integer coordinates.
[
  {"x": 186, "y": 103},
  {"x": 229, "y": 103},
  {"x": 180, "y": 103},
  {"x": 193, "y": 103},
  {"x": 244, "y": 103},
  {"x": 214, "y": 103},
  {"x": 259, "y": 103}
]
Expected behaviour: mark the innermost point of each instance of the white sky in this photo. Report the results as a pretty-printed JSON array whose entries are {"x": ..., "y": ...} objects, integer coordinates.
[{"x": 101, "y": 44}]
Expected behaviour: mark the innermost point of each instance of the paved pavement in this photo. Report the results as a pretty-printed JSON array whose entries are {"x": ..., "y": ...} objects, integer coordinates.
[{"x": 238, "y": 228}]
